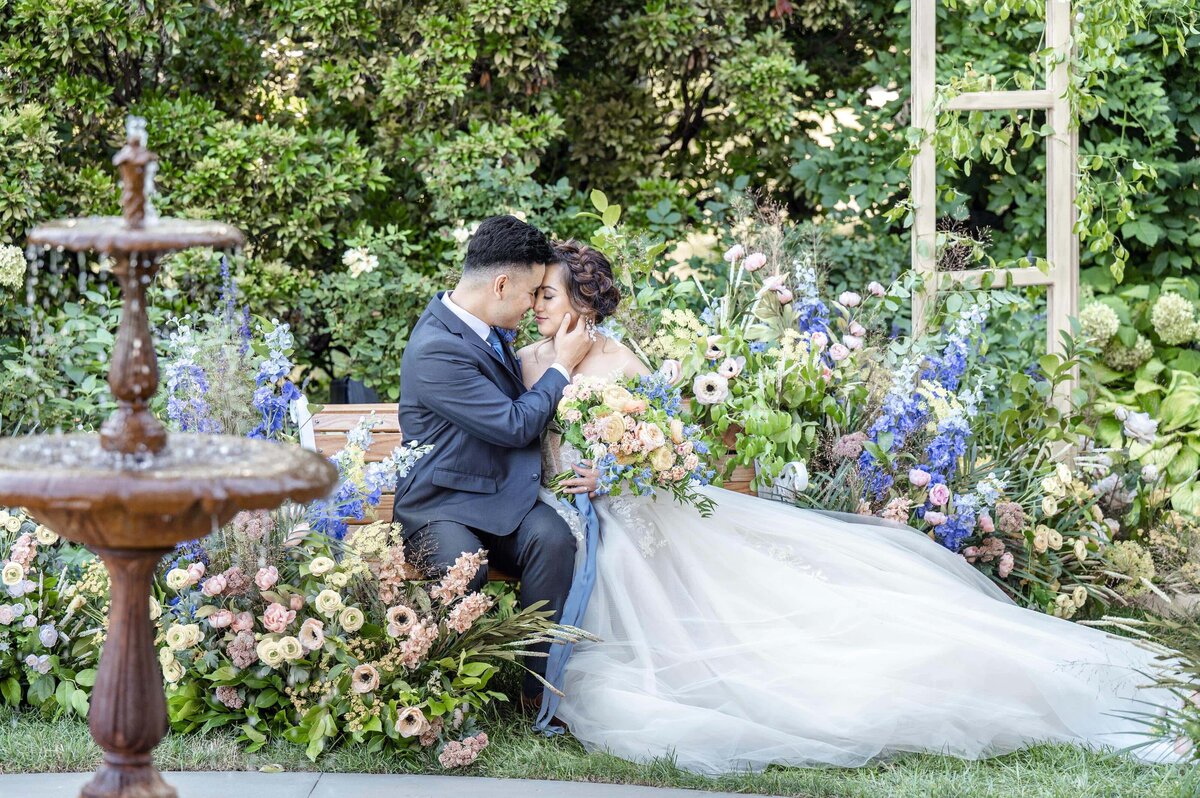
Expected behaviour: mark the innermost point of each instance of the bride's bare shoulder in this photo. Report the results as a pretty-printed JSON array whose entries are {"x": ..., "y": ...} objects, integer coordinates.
[
  {"x": 623, "y": 358},
  {"x": 535, "y": 352}
]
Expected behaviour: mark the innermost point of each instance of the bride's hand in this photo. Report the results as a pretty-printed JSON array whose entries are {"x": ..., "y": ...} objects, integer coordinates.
[{"x": 587, "y": 480}]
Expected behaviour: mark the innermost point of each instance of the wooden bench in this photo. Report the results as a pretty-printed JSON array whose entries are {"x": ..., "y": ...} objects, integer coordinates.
[{"x": 325, "y": 432}]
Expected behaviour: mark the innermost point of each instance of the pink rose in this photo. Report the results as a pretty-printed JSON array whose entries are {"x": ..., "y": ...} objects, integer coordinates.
[
  {"x": 784, "y": 295},
  {"x": 1006, "y": 565},
  {"x": 970, "y": 553},
  {"x": 857, "y": 329},
  {"x": 635, "y": 406},
  {"x": 849, "y": 299},
  {"x": 987, "y": 524},
  {"x": 242, "y": 622},
  {"x": 819, "y": 340},
  {"x": 195, "y": 572},
  {"x": 277, "y": 617},
  {"x": 939, "y": 494},
  {"x": 214, "y": 586},
  {"x": 875, "y": 289},
  {"x": 266, "y": 577},
  {"x": 755, "y": 261},
  {"x": 220, "y": 619},
  {"x": 935, "y": 518},
  {"x": 839, "y": 353},
  {"x": 296, "y": 601},
  {"x": 734, "y": 253},
  {"x": 918, "y": 478},
  {"x": 852, "y": 342},
  {"x": 826, "y": 374}
]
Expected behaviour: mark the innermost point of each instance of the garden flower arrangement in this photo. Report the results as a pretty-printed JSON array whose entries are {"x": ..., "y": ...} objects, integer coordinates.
[
  {"x": 766, "y": 358},
  {"x": 284, "y": 624},
  {"x": 633, "y": 433}
]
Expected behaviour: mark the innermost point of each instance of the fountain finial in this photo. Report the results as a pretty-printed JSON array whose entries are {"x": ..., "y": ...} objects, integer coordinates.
[{"x": 134, "y": 161}]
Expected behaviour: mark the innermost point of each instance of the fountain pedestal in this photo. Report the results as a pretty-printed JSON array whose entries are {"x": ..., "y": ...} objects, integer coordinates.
[
  {"x": 126, "y": 719},
  {"x": 132, "y": 493}
]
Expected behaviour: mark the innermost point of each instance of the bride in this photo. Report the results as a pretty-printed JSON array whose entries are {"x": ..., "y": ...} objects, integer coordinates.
[{"x": 770, "y": 634}]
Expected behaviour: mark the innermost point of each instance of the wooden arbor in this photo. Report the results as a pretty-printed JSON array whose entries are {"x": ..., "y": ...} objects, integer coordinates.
[{"x": 1062, "y": 244}]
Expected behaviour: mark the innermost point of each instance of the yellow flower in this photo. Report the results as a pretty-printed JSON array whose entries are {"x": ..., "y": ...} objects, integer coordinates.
[
  {"x": 662, "y": 458},
  {"x": 1079, "y": 596},
  {"x": 339, "y": 579},
  {"x": 1063, "y": 473},
  {"x": 612, "y": 428},
  {"x": 1049, "y": 506},
  {"x": 617, "y": 397},
  {"x": 1096, "y": 513},
  {"x": 12, "y": 574},
  {"x": 1081, "y": 550},
  {"x": 676, "y": 431},
  {"x": 1055, "y": 539},
  {"x": 328, "y": 602},
  {"x": 321, "y": 565},
  {"x": 13, "y": 524},
  {"x": 46, "y": 536}
]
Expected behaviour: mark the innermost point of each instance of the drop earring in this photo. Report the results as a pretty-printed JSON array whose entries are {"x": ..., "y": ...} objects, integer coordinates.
[{"x": 590, "y": 327}]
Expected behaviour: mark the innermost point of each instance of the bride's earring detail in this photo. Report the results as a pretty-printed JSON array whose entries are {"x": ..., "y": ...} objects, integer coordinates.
[{"x": 590, "y": 326}]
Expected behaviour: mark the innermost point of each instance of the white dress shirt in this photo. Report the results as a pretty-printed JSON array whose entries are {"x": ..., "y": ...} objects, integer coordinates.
[{"x": 483, "y": 329}]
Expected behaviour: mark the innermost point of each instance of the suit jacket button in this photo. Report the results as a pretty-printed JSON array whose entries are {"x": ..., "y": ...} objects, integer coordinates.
[{"x": 535, "y": 476}]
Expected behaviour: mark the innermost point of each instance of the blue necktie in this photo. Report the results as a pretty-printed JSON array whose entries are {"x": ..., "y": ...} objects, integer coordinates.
[{"x": 494, "y": 340}]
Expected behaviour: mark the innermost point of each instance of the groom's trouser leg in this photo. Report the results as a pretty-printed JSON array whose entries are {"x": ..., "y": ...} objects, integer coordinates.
[
  {"x": 542, "y": 553},
  {"x": 435, "y": 546}
]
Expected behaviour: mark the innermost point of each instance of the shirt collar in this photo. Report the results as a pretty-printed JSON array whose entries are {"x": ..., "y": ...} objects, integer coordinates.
[{"x": 477, "y": 325}]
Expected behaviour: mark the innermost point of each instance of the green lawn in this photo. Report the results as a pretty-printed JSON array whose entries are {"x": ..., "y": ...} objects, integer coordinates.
[{"x": 32, "y": 744}]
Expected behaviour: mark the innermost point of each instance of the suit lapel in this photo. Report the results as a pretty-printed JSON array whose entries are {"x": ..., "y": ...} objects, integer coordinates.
[{"x": 460, "y": 328}]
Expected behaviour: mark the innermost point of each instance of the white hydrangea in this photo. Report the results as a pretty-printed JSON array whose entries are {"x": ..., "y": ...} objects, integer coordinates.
[
  {"x": 12, "y": 267},
  {"x": 1124, "y": 358},
  {"x": 1173, "y": 318},
  {"x": 1099, "y": 322}
]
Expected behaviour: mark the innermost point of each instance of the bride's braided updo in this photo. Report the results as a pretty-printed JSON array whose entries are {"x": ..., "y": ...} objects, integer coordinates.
[{"x": 589, "y": 276}]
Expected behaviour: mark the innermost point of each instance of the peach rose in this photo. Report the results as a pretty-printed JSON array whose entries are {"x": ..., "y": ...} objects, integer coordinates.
[
  {"x": 266, "y": 578},
  {"x": 277, "y": 617}
]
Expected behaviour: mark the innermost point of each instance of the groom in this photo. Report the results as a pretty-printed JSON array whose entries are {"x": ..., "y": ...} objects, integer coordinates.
[{"x": 461, "y": 392}]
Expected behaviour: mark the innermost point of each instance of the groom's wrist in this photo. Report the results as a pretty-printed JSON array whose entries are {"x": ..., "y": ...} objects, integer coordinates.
[{"x": 561, "y": 369}]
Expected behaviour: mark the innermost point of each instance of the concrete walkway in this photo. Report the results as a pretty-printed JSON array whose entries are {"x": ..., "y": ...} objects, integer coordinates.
[{"x": 346, "y": 785}]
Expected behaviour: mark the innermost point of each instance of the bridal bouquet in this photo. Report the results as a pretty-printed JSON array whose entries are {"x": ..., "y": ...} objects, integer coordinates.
[{"x": 633, "y": 432}]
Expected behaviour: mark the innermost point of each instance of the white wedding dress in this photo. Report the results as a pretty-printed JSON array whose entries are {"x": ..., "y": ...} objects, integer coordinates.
[{"x": 770, "y": 634}]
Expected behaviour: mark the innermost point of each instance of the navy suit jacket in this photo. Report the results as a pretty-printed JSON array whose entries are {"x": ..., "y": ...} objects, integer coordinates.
[{"x": 458, "y": 395}]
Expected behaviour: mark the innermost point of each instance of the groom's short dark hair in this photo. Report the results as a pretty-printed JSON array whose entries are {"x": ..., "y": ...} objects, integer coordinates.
[{"x": 506, "y": 241}]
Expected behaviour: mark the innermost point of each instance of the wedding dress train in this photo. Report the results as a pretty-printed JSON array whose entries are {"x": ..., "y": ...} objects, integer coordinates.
[{"x": 770, "y": 634}]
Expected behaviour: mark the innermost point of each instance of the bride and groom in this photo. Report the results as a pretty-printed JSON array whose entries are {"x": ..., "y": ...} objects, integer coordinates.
[{"x": 761, "y": 634}]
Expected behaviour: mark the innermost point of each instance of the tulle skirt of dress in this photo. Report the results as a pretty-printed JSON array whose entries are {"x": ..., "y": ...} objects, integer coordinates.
[{"x": 769, "y": 634}]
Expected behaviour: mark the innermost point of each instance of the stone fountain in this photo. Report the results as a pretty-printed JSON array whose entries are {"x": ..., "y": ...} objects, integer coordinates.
[{"x": 131, "y": 493}]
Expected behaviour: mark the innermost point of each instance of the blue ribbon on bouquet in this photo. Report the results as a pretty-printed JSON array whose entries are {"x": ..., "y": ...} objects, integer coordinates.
[{"x": 572, "y": 615}]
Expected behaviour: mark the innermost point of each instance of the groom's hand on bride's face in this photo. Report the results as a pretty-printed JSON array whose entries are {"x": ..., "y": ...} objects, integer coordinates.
[
  {"x": 571, "y": 342},
  {"x": 586, "y": 480}
]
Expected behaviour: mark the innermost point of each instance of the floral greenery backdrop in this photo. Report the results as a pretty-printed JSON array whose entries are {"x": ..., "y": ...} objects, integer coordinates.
[{"x": 357, "y": 143}]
